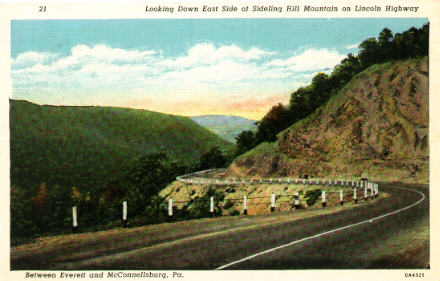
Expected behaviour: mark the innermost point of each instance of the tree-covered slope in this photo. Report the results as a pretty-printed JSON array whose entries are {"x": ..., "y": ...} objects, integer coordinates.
[
  {"x": 376, "y": 126},
  {"x": 88, "y": 147}
]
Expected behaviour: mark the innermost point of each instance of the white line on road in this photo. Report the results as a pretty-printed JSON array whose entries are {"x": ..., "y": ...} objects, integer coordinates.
[{"x": 325, "y": 233}]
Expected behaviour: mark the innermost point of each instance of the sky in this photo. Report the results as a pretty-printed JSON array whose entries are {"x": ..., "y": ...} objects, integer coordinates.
[{"x": 182, "y": 66}]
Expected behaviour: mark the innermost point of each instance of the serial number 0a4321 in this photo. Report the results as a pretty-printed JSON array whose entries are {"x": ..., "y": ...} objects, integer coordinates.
[{"x": 420, "y": 274}]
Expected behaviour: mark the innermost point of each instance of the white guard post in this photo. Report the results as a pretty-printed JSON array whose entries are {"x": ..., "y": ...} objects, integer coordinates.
[
  {"x": 245, "y": 205},
  {"x": 211, "y": 205},
  {"x": 323, "y": 199},
  {"x": 75, "y": 218},
  {"x": 124, "y": 214},
  {"x": 341, "y": 197},
  {"x": 170, "y": 207},
  {"x": 272, "y": 203},
  {"x": 296, "y": 200}
]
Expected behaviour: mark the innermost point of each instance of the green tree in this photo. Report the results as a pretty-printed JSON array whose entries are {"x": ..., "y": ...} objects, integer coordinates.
[
  {"x": 321, "y": 90},
  {"x": 59, "y": 204},
  {"x": 22, "y": 223},
  {"x": 215, "y": 158},
  {"x": 344, "y": 72},
  {"x": 385, "y": 44},
  {"x": 40, "y": 210},
  {"x": 276, "y": 120},
  {"x": 151, "y": 173},
  {"x": 244, "y": 142},
  {"x": 369, "y": 52},
  {"x": 299, "y": 105}
]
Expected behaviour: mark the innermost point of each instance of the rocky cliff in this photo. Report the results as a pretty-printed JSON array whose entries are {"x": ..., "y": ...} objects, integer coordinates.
[{"x": 375, "y": 127}]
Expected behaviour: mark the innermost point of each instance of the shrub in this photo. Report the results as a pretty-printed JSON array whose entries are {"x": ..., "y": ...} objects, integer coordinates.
[
  {"x": 312, "y": 196},
  {"x": 200, "y": 208}
]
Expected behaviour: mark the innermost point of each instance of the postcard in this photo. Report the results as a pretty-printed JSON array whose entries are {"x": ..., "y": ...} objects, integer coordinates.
[{"x": 226, "y": 140}]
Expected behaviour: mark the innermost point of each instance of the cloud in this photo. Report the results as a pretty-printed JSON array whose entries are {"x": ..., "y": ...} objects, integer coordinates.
[
  {"x": 102, "y": 74},
  {"x": 112, "y": 55},
  {"x": 207, "y": 54},
  {"x": 31, "y": 58},
  {"x": 353, "y": 46},
  {"x": 310, "y": 60}
]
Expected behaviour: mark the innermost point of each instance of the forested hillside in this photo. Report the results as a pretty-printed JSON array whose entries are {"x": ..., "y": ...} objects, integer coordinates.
[{"x": 93, "y": 156}]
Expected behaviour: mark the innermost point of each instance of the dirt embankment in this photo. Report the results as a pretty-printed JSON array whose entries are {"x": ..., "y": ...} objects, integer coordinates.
[
  {"x": 258, "y": 196},
  {"x": 375, "y": 127}
]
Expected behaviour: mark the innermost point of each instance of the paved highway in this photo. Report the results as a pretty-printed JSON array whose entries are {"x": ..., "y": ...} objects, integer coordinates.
[{"x": 344, "y": 239}]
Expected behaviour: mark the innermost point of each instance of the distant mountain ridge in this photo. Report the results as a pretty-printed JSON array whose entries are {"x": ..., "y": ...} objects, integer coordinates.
[{"x": 226, "y": 126}]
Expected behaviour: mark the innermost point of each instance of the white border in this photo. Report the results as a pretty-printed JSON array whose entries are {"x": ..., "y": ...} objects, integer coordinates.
[{"x": 102, "y": 9}]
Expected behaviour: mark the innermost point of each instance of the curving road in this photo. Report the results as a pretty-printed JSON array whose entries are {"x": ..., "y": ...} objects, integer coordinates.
[{"x": 345, "y": 239}]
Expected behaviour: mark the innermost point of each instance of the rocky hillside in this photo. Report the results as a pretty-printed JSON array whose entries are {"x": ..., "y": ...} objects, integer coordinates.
[{"x": 375, "y": 127}]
